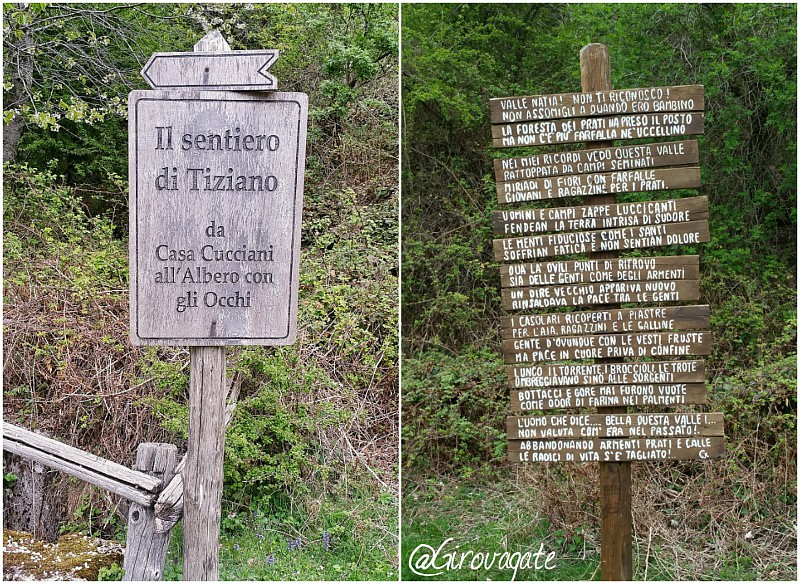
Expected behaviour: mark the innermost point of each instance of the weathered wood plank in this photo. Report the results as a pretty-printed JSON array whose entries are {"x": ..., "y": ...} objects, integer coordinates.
[
  {"x": 235, "y": 71},
  {"x": 607, "y": 159},
  {"x": 134, "y": 486},
  {"x": 673, "y": 344},
  {"x": 145, "y": 548},
  {"x": 607, "y": 396},
  {"x": 600, "y": 293},
  {"x": 678, "y": 98},
  {"x": 622, "y": 127},
  {"x": 606, "y": 321},
  {"x": 95, "y": 478},
  {"x": 581, "y": 242},
  {"x": 202, "y": 475},
  {"x": 628, "y": 373},
  {"x": 614, "y": 425},
  {"x": 581, "y": 185},
  {"x": 216, "y": 201},
  {"x": 616, "y": 449},
  {"x": 589, "y": 217},
  {"x": 595, "y": 270}
]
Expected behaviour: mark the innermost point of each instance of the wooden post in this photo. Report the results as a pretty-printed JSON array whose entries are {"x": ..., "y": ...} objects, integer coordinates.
[
  {"x": 145, "y": 548},
  {"x": 616, "y": 559},
  {"x": 202, "y": 475}
]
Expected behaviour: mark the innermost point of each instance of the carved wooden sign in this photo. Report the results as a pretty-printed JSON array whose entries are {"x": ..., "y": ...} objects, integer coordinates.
[
  {"x": 579, "y": 242},
  {"x": 232, "y": 71},
  {"x": 616, "y": 449},
  {"x": 605, "y": 346},
  {"x": 600, "y": 293},
  {"x": 543, "y": 342},
  {"x": 680, "y": 98},
  {"x": 611, "y": 270},
  {"x": 595, "y": 322},
  {"x": 579, "y": 185},
  {"x": 623, "y": 127},
  {"x": 527, "y": 221},
  {"x": 216, "y": 188},
  {"x": 601, "y": 396},
  {"x": 613, "y": 425},
  {"x": 597, "y": 160},
  {"x": 606, "y": 373}
]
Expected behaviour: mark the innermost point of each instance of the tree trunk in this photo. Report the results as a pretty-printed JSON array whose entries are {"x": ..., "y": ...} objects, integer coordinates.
[
  {"x": 37, "y": 502},
  {"x": 21, "y": 69},
  {"x": 12, "y": 132}
]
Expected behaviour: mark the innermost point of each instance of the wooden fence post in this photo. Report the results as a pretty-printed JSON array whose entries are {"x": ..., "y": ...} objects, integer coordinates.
[
  {"x": 616, "y": 559},
  {"x": 145, "y": 548}
]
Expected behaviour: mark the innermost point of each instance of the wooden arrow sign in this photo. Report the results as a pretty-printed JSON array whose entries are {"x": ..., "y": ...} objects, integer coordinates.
[{"x": 230, "y": 71}]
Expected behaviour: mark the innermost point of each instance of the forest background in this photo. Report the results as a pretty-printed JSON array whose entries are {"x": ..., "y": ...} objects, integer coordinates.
[
  {"x": 733, "y": 518},
  {"x": 310, "y": 476}
]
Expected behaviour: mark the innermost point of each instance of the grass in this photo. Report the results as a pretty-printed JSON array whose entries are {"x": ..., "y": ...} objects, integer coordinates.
[
  {"x": 511, "y": 515},
  {"x": 490, "y": 519},
  {"x": 362, "y": 536}
]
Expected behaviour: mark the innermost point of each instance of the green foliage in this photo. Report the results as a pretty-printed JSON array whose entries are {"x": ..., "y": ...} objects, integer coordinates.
[
  {"x": 67, "y": 70},
  {"x": 345, "y": 49},
  {"x": 9, "y": 480},
  {"x": 66, "y": 275},
  {"x": 260, "y": 543},
  {"x": 112, "y": 572},
  {"x": 92, "y": 158},
  {"x": 453, "y": 408},
  {"x": 761, "y": 399},
  {"x": 89, "y": 516}
]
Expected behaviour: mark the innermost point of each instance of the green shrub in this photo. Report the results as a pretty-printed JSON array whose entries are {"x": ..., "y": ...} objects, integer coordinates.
[{"x": 453, "y": 412}]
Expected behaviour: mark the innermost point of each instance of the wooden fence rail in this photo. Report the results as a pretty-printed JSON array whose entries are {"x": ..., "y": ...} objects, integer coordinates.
[
  {"x": 155, "y": 488},
  {"x": 145, "y": 548},
  {"x": 133, "y": 485}
]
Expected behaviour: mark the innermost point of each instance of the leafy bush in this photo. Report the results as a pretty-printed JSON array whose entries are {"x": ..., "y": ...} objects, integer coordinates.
[{"x": 453, "y": 408}]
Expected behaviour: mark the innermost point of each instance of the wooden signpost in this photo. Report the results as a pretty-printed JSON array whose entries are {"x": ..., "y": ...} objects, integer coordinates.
[
  {"x": 634, "y": 345},
  {"x": 610, "y": 270},
  {"x": 638, "y": 351},
  {"x": 616, "y": 450},
  {"x": 580, "y": 242},
  {"x": 239, "y": 71},
  {"x": 614, "y": 425},
  {"x": 605, "y": 321},
  {"x": 596, "y": 129},
  {"x": 600, "y": 293},
  {"x": 596, "y": 103},
  {"x": 216, "y": 187}
]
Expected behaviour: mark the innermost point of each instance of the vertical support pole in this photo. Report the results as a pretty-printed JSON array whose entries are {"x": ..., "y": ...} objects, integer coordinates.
[
  {"x": 145, "y": 548},
  {"x": 616, "y": 559},
  {"x": 202, "y": 475}
]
